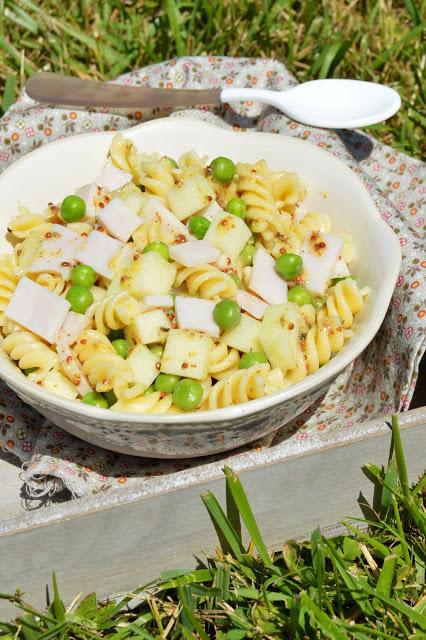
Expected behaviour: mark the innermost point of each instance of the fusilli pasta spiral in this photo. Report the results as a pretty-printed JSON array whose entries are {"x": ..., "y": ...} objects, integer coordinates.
[
  {"x": 30, "y": 352},
  {"x": 223, "y": 360},
  {"x": 115, "y": 312},
  {"x": 147, "y": 403},
  {"x": 239, "y": 386},
  {"x": 104, "y": 369},
  {"x": 254, "y": 187},
  {"x": 8, "y": 282},
  {"x": 206, "y": 281}
]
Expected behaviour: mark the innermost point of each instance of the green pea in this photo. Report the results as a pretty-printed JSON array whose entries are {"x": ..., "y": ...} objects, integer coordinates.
[
  {"x": 166, "y": 382},
  {"x": 299, "y": 295},
  {"x": 223, "y": 169},
  {"x": 237, "y": 207},
  {"x": 79, "y": 298},
  {"x": 83, "y": 274},
  {"x": 116, "y": 334},
  {"x": 247, "y": 254},
  {"x": 149, "y": 390},
  {"x": 95, "y": 399},
  {"x": 187, "y": 394},
  {"x": 173, "y": 162},
  {"x": 336, "y": 280},
  {"x": 159, "y": 247},
  {"x": 157, "y": 350},
  {"x": 30, "y": 370},
  {"x": 110, "y": 397},
  {"x": 289, "y": 266},
  {"x": 198, "y": 226},
  {"x": 236, "y": 279},
  {"x": 254, "y": 357},
  {"x": 73, "y": 209},
  {"x": 121, "y": 347},
  {"x": 227, "y": 314}
]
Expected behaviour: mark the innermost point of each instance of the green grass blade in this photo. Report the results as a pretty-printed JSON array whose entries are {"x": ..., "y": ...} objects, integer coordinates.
[
  {"x": 173, "y": 16},
  {"x": 228, "y": 538},
  {"x": 402, "y": 42},
  {"x": 199, "y": 575},
  {"x": 327, "y": 626},
  {"x": 412, "y": 10},
  {"x": 399, "y": 452},
  {"x": 386, "y": 577},
  {"x": 9, "y": 92},
  {"x": 245, "y": 510}
]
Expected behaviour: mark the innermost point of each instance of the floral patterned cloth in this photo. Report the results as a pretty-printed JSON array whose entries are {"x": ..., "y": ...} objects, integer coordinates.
[{"x": 380, "y": 381}]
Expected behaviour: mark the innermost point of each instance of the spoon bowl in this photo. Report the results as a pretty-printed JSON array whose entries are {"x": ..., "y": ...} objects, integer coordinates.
[{"x": 331, "y": 103}]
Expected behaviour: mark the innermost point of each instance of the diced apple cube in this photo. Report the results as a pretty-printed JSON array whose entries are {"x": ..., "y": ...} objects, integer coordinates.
[
  {"x": 155, "y": 210},
  {"x": 264, "y": 280},
  {"x": 57, "y": 251},
  {"x": 156, "y": 302},
  {"x": 144, "y": 365},
  {"x": 190, "y": 196},
  {"x": 319, "y": 253},
  {"x": 148, "y": 327},
  {"x": 98, "y": 251},
  {"x": 279, "y": 335},
  {"x": 245, "y": 336},
  {"x": 37, "y": 309},
  {"x": 119, "y": 220},
  {"x": 194, "y": 253},
  {"x": 112, "y": 178},
  {"x": 187, "y": 354},
  {"x": 57, "y": 383},
  {"x": 196, "y": 314},
  {"x": 228, "y": 233},
  {"x": 252, "y": 304},
  {"x": 150, "y": 274}
]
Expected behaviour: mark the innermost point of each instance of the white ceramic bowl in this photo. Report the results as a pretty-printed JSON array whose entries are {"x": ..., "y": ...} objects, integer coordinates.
[{"x": 57, "y": 169}]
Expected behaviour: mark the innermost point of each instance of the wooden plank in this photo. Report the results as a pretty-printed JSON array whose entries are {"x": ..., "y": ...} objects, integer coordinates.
[{"x": 113, "y": 549}]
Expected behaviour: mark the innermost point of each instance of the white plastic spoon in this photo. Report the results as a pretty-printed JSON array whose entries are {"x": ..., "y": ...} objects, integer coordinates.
[{"x": 336, "y": 104}]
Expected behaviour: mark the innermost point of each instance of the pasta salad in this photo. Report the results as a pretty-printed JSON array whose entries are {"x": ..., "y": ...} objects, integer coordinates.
[{"x": 167, "y": 286}]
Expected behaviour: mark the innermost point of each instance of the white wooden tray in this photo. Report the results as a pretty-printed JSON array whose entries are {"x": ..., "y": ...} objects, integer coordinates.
[{"x": 115, "y": 542}]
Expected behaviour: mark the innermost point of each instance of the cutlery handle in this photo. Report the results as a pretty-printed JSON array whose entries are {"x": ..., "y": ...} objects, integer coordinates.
[{"x": 55, "y": 88}]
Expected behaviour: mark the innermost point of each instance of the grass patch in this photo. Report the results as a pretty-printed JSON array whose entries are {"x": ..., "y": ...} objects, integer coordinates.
[
  {"x": 359, "y": 586},
  {"x": 377, "y": 40}
]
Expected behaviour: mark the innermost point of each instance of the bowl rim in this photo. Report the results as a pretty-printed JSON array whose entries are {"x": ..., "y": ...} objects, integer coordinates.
[{"x": 310, "y": 383}]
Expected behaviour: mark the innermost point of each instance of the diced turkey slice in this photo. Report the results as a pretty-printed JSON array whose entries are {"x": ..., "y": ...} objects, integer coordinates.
[
  {"x": 252, "y": 304},
  {"x": 265, "y": 281},
  {"x": 72, "y": 368},
  {"x": 156, "y": 302},
  {"x": 73, "y": 326},
  {"x": 340, "y": 269},
  {"x": 211, "y": 211},
  {"x": 112, "y": 178},
  {"x": 319, "y": 253},
  {"x": 57, "y": 251},
  {"x": 193, "y": 253},
  {"x": 93, "y": 195},
  {"x": 119, "y": 220},
  {"x": 155, "y": 210},
  {"x": 98, "y": 251},
  {"x": 37, "y": 309},
  {"x": 196, "y": 314}
]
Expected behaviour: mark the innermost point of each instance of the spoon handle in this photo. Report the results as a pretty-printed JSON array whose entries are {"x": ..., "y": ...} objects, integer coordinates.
[{"x": 55, "y": 88}]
